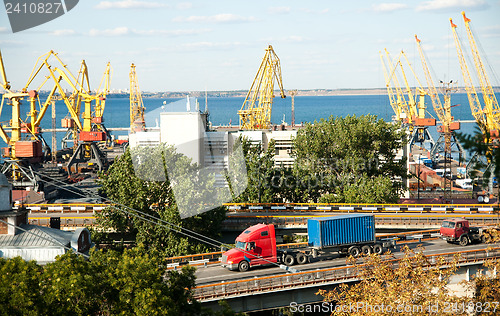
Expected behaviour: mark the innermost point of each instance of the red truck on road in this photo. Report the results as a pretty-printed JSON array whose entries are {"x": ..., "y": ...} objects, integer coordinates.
[
  {"x": 351, "y": 234},
  {"x": 458, "y": 230}
]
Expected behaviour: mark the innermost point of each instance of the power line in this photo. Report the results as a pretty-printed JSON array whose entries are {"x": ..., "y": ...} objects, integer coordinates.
[{"x": 152, "y": 219}]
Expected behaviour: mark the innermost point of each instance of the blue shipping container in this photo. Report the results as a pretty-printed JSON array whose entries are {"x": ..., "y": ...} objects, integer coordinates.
[{"x": 340, "y": 230}]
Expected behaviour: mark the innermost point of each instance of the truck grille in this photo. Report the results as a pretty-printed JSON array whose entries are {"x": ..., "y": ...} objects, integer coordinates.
[{"x": 224, "y": 259}]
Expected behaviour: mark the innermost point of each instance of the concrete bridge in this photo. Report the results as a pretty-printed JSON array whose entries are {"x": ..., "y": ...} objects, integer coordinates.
[{"x": 259, "y": 293}]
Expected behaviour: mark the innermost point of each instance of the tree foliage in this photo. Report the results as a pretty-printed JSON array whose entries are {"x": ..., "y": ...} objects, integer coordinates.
[
  {"x": 411, "y": 286},
  {"x": 109, "y": 283},
  {"x": 347, "y": 159},
  {"x": 260, "y": 173},
  {"x": 486, "y": 285},
  {"x": 486, "y": 154},
  {"x": 147, "y": 190}
]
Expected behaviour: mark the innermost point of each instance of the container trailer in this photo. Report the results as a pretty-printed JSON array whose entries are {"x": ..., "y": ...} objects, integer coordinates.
[{"x": 352, "y": 234}]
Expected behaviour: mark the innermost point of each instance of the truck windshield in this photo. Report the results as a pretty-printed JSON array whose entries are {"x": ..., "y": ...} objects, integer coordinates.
[
  {"x": 240, "y": 245},
  {"x": 447, "y": 224}
]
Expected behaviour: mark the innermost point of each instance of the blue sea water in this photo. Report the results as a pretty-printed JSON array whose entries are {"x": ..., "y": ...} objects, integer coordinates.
[{"x": 225, "y": 110}]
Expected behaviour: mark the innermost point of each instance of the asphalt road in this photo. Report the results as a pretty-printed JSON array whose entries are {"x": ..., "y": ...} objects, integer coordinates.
[{"x": 217, "y": 274}]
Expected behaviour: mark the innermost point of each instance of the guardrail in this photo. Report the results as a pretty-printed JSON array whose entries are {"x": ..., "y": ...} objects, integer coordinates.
[
  {"x": 66, "y": 222},
  {"x": 213, "y": 257},
  {"x": 65, "y": 208},
  {"x": 338, "y": 207},
  {"x": 296, "y": 207},
  {"x": 289, "y": 281}
]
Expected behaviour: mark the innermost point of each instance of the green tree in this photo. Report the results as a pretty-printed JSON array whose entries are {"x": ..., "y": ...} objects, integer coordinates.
[
  {"x": 145, "y": 187},
  {"x": 486, "y": 154},
  {"x": 132, "y": 282},
  {"x": 20, "y": 287},
  {"x": 260, "y": 173},
  {"x": 346, "y": 159}
]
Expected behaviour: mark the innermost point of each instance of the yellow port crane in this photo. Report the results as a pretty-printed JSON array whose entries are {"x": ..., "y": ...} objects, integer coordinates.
[
  {"x": 443, "y": 112},
  {"x": 26, "y": 147},
  {"x": 137, "y": 121},
  {"x": 400, "y": 109},
  {"x": 404, "y": 102},
  {"x": 84, "y": 134},
  {"x": 255, "y": 113},
  {"x": 488, "y": 118}
]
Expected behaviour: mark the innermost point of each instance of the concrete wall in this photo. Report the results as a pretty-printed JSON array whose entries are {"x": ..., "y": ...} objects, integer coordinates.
[{"x": 184, "y": 130}]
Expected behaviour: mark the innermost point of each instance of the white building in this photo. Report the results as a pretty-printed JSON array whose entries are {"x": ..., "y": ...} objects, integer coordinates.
[{"x": 32, "y": 242}]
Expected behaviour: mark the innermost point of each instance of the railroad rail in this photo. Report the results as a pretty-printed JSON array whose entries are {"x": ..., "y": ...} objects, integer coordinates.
[{"x": 268, "y": 284}]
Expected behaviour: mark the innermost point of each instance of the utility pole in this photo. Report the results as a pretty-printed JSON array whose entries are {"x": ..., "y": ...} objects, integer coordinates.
[
  {"x": 54, "y": 140},
  {"x": 293, "y": 93}
]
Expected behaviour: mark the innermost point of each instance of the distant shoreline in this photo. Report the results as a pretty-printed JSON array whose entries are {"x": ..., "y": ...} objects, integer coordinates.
[{"x": 243, "y": 93}]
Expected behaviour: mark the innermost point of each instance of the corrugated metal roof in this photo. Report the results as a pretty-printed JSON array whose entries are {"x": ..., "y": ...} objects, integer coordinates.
[{"x": 36, "y": 236}]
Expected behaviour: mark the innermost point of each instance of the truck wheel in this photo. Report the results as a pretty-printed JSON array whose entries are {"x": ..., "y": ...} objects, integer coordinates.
[
  {"x": 464, "y": 241},
  {"x": 378, "y": 249},
  {"x": 354, "y": 251},
  {"x": 366, "y": 250},
  {"x": 243, "y": 266},
  {"x": 289, "y": 260},
  {"x": 301, "y": 258}
]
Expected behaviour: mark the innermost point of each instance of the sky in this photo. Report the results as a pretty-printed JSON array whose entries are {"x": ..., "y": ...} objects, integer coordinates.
[{"x": 218, "y": 45}]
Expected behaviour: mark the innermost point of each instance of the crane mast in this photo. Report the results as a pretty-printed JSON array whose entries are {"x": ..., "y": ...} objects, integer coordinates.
[
  {"x": 137, "y": 122},
  {"x": 405, "y": 102},
  {"x": 400, "y": 99},
  {"x": 392, "y": 99},
  {"x": 442, "y": 111},
  {"x": 255, "y": 113}
]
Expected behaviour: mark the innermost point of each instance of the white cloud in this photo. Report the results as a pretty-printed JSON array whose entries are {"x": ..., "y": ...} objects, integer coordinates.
[
  {"x": 4, "y": 30},
  {"x": 291, "y": 38},
  {"x": 63, "y": 32},
  {"x": 206, "y": 45},
  {"x": 388, "y": 7},
  {"x": 171, "y": 32},
  {"x": 184, "y": 6},
  {"x": 117, "y": 31},
  {"x": 129, "y": 4},
  {"x": 491, "y": 31},
  {"x": 279, "y": 10},
  {"x": 306, "y": 10},
  {"x": 218, "y": 18},
  {"x": 444, "y": 5},
  {"x": 120, "y": 31}
]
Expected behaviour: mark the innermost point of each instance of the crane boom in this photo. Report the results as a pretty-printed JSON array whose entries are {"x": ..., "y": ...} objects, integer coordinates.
[
  {"x": 474, "y": 103},
  {"x": 491, "y": 108},
  {"x": 255, "y": 113},
  {"x": 137, "y": 122}
]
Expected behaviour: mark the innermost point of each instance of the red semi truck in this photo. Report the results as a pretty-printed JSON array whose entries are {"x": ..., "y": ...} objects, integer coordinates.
[
  {"x": 458, "y": 230},
  {"x": 351, "y": 234}
]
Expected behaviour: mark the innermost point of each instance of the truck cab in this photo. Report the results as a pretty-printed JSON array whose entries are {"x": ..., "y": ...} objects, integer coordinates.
[
  {"x": 254, "y": 247},
  {"x": 458, "y": 230}
]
